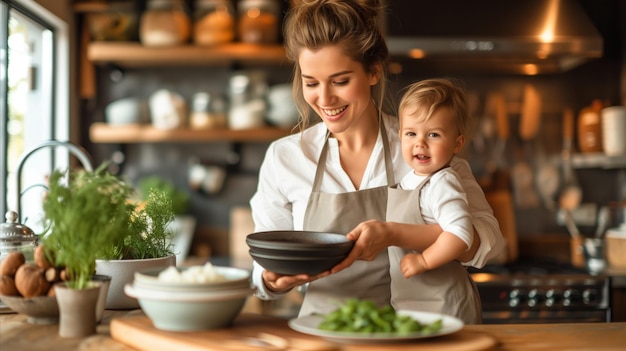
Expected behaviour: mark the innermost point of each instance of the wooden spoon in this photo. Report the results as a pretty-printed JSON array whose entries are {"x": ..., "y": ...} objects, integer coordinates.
[
  {"x": 571, "y": 194},
  {"x": 525, "y": 194}
]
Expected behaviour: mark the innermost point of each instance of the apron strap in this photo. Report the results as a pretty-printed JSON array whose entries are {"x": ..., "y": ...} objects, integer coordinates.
[{"x": 321, "y": 166}]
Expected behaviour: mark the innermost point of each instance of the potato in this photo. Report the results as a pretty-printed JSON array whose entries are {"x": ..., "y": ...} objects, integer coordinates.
[
  {"x": 40, "y": 257},
  {"x": 30, "y": 280},
  {"x": 7, "y": 286},
  {"x": 11, "y": 263}
]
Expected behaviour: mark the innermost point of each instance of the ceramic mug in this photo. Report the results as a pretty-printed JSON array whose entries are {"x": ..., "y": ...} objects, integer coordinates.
[{"x": 614, "y": 130}]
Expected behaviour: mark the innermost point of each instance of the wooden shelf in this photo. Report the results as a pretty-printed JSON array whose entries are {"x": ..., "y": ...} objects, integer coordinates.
[
  {"x": 598, "y": 160},
  {"x": 133, "y": 134},
  {"x": 133, "y": 54}
]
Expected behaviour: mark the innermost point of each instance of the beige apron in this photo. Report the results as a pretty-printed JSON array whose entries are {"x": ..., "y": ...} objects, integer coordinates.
[
  {"x": 448, "y": 289},
  {"x": 341, "y": 213}
]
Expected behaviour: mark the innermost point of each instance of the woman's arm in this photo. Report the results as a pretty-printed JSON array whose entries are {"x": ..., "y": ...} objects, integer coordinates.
[{"x": 376, "y": 236}]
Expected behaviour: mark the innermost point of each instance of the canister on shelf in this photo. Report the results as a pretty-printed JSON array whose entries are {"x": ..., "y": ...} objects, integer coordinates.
[
  {"x": 590, "y": 128},
  {"x": 207, "y": 112},
  {"x": 258, "y": 21},
  {"x": 214, "y": 22},
  {"x": 164, "y": 23}
]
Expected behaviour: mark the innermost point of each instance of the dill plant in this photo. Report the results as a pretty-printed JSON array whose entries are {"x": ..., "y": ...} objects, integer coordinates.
[
  {"x": 94, "y": 216},
  {"x": 84, "y": 214},
  {"x": 148, "y": 234}
]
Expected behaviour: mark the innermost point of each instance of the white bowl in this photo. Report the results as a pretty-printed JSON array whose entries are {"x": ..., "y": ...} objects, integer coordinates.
[
  {"x": 236, "y": 279},
  {"x": 127, "y": 111},
  {"x": 188, "y": 311}
]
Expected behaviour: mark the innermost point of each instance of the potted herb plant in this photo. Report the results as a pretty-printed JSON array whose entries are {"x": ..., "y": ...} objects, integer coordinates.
[
  {"x": 83, "y": 215},
  {"x": 184, "y": 224},
  {"x": 147, "y": 243}
]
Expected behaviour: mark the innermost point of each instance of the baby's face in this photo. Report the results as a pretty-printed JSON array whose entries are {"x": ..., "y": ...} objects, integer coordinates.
[{"x": 429, "y": 145}]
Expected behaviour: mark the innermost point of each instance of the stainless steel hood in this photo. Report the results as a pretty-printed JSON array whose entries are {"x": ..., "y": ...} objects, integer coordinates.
[{"x": 492, "y": 36}]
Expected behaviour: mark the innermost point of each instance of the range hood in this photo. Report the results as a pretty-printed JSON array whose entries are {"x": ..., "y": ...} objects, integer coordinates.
[{"x": 492, "y": 36}]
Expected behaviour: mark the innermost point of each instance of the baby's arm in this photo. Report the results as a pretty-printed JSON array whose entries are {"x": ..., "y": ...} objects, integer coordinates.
[{"x": 447, "y": 248}]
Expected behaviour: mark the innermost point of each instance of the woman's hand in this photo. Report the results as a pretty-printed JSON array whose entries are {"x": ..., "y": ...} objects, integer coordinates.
[
  {"x": 279, "y": 283},
  {"x": 370, "y": 238}
]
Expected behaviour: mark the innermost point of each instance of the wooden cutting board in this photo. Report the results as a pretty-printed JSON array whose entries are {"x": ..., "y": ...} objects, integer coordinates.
[{"x": 139, "y": 333}]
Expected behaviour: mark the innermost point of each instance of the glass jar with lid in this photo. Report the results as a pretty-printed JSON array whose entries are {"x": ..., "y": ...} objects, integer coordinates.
[
  {"x": 258, "y": 21},
  {"x": 15, "y": 236},
  {"x": 164, "y": 23},
  {"x": 214, "y": 22}
]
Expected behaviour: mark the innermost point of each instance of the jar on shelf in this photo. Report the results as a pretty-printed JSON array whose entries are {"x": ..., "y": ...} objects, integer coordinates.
[
  {"x": 258, "y": 21},
  {"x": 214, "y": 22},
  {"x": 207, "y": 111},
  {"x": 164, "y": 23},
  {"x": 590, "y": 128}
]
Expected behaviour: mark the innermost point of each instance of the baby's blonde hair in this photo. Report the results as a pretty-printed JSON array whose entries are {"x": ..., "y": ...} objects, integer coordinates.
[{"x": 423, "y": 98}]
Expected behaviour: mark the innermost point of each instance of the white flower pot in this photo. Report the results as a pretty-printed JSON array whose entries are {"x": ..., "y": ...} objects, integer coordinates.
[
  {"x": 183, "y": 227},
  {"x": 122, "y": 273}
]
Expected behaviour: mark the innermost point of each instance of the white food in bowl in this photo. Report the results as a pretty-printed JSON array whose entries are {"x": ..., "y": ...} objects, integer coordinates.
[{"x": 194, "y": 274}]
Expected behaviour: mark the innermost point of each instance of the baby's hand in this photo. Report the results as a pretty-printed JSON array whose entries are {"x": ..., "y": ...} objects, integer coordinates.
[{"x": 413, "y": 264}]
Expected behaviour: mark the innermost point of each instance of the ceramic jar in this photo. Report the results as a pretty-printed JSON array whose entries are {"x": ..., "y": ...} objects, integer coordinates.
[
  {"x": 164, "y": 23},
  {"x": 258, "y": 21},
  {"x": 214, "y": 22}
]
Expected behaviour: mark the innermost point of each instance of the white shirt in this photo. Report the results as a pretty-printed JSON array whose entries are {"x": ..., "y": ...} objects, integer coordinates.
[
  {"x": 443, "y": 202},
  {"x": 286, "y": 179}
]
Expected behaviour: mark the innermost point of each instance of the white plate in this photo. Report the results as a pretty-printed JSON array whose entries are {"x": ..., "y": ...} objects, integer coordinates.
[{"x": 309, "y": 325}]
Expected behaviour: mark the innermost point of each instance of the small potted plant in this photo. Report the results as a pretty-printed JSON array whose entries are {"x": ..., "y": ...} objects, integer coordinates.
[
  {"x": 184, "y": 224},
  {"x": 147, "y": 243},
  {"x": 133, "y": 235},
  {"x": 83, "y": 214}
]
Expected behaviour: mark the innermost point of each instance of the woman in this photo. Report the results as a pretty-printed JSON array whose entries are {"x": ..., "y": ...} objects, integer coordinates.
[{"x": 334, "y": 175}]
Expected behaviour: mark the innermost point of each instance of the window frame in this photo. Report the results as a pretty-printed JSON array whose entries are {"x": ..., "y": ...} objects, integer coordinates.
[{"x": 59, "y": 116}]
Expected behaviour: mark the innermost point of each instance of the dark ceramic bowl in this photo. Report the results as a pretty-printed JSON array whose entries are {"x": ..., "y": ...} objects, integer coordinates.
[
  {"x": 291, "y": 265},
  {"x": 299, "y": 243}
]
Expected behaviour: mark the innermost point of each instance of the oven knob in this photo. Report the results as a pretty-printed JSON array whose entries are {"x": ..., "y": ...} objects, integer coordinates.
[
  {"x": 516, "y": 296},
  {"x": 553, "y": 297},
  {"x": 590, "y": 296},
  {"x": 570, "y": 297},
  {"x": 535, "y": 297}
]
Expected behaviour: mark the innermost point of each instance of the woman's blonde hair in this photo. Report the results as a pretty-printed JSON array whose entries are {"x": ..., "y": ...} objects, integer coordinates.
[
  {"x": 352, "y": 25},
  {"x": 423, "y": 98}
]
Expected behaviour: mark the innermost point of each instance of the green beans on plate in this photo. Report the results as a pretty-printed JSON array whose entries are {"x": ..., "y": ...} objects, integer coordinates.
[{"x": 364, "y": 316}]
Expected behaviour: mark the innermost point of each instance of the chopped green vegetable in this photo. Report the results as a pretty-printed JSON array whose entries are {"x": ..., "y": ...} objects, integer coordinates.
[{"x": 363, "y": 316}]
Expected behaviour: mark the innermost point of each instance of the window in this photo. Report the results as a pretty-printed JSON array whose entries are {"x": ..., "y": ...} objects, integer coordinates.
[{"x": 34, "y": 96}]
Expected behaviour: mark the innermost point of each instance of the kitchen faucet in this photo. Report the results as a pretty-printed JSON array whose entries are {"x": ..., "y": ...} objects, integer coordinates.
[{"x": 77, "y": 151}]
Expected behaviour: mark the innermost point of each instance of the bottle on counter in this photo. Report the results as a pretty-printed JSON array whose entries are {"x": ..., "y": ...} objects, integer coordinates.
[
  {"x": 164, "y": 23},
  {"x": 590, "y": 128},
  {"x": 258, "y": 21},
  {"x": 214, "y": 22}
]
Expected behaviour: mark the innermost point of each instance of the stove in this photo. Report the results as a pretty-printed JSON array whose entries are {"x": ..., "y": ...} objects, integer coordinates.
[{"x": 541, "y": 292}]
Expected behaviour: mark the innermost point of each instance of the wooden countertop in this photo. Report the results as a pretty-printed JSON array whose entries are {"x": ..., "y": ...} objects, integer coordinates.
[{"x": 17, "y": 334}]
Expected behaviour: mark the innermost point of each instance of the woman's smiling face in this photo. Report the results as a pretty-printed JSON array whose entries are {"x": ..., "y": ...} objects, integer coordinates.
[{"x": 337, "y": 87}]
